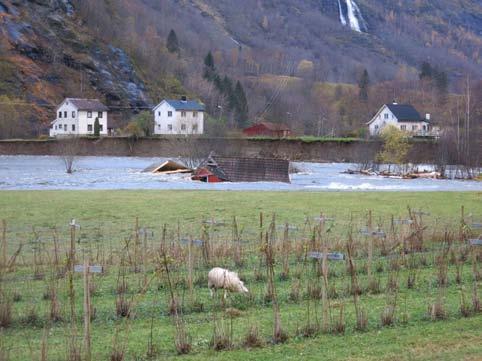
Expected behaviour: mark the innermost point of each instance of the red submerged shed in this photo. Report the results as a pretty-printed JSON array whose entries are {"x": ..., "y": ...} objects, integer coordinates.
[
  {"x": 268, "y": 129},
  {"x": 238, "y": 169}
]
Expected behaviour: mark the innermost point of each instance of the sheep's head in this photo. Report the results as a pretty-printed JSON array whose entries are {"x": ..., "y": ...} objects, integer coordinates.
[{"x": 242, "y": 288}]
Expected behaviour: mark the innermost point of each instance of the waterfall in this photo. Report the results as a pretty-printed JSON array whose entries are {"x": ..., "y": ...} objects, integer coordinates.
[
  {"x": 350, "y": 14},
  {"x": 342, "y": 16},
  {"x": 354, "y": 24}
]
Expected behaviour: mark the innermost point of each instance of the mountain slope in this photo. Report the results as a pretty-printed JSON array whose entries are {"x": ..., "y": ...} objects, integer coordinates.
[
  {"x": 116, "y": 49},
  {"x": 449, "y": 33}
]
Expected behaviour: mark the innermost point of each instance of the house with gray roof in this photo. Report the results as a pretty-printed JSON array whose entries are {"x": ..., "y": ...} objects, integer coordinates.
[
  {"x": 181, "y": 116},
  {"x": 403, "y": 116},
  {"x": 76, "y": 116}
]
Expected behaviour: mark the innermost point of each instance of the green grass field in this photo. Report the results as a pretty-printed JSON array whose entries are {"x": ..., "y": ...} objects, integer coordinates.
[
  {"x": 56, "y": 208},
  {"x": 107, "y": 220}
]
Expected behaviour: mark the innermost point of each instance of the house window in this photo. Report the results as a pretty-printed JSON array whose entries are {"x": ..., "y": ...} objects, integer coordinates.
[
  {"x": 73, "y": 114},
  {"x": 183, "y": 114},
  {"x": 183, "y": 126},
  {"x": 101, "y": 127},
  {"x": 414, "y": 127},
  {"x": 376, "y": 126},
  {"x": 73, "y": 127},
  {"x": 60, "y": 114},
  {"x": 159, "y": 113},
  {"x": 403, "y": 127},
  {"x": 55, "y": 127},
  {"x": 169, "y": 114},
  {"x": 99, "y": 115},
  {"x": 194, "y": 114},
  {"x": 194, "y": 127},
  {"x": 65, "y": 127},
  {"x": 386, "y": 116},
  {"x": 65, "y": 114},
  {"x": 424, "y": 127},
  {"x": 89, "y": 127},
  {"x": 89, "y": 114},
  {"x": 169, "y": 126}
]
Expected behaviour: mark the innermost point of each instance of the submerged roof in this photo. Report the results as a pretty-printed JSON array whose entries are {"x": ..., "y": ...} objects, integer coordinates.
[
  {"x": 405, "y": 112},
  {"x": 189, "y": 105},
  {"x": 87, "y": 104},
  {"x": 238, "y": 169},
  {"x": 167, "y": 167}
]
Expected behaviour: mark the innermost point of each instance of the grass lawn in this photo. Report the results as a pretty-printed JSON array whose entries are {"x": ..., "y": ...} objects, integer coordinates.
[
  {"x": 55, "y": 208},
  {"x": 107, "y": 217}
]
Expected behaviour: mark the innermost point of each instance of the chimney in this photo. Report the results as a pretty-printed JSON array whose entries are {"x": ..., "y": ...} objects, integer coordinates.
[
  {"x": 184, "y": 98},
  {"x": 394, "y": 102},
  {"x": 427, "y": 116}
]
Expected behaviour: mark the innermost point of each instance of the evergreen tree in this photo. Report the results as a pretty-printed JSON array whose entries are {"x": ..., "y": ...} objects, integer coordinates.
[
  {"x": 226, "y": 86},
  {"x": 216, "y": 79},
  {"x": 172, "y": 42},
  {"x": 209, "y": 67},
  {"x": 442, "y": 86},
  {"x": 242, "y": 109},
  {"x": 426, "y": 71},
  {"x": 363, "y": 84},
  {"x": 228, "y": 91},
  {"x": 96, "y": 127}
]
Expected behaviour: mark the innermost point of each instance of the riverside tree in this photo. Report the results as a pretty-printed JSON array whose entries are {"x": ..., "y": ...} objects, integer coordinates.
[
  {"x": 395, "y": 147},
  {"x": 143, "y": 121}
]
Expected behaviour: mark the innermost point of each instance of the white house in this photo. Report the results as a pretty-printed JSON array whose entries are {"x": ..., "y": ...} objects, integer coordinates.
[
  {"x": 403, "y": 116},
  {"x": 77, "y": 117},
  {"x": 179, "y": 117}
]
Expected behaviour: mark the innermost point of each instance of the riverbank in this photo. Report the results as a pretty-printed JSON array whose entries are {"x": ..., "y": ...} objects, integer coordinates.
[{"x": 296, "y": 149}]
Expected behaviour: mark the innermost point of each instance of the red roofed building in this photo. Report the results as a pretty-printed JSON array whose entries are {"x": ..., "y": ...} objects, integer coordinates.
[{"x": 268, "y": 129}]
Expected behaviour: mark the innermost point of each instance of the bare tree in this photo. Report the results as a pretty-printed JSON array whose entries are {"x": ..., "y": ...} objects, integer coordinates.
[
  {"x": 189, "y": 148},
  {"x": 69, "y": 150}
]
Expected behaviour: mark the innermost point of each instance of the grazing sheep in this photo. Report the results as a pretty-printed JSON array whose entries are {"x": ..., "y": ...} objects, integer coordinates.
[{"x": 225, "y": 279}]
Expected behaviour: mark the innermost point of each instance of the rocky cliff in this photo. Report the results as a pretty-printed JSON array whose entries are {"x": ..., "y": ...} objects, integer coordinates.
[{"x": 46, "y": 54}]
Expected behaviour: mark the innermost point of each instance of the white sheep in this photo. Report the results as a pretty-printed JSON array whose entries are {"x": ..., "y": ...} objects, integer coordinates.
[{"x": 225, "y": 279}]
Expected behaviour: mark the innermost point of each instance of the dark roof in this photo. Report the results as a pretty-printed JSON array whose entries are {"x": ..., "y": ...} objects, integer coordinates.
[
  {"x": 405, "y": 112},
  {"x": 237, "y": 169},
  {"x": 186, "y": 105},
  {"x": 88, "y": 104},
  {"x": 271, "y": 126}
]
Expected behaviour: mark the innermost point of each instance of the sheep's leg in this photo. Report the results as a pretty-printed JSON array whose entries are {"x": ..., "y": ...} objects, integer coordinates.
[{"x": 211, "y": 292}]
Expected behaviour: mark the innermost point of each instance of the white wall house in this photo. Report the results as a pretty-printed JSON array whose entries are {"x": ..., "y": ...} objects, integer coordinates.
[
  {"x": 179, "y": 117},
  {"x": 77, "y": 117},
  {"x": 403, "y": 116}
]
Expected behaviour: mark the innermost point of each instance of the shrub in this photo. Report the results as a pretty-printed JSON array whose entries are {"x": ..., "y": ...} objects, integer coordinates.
[{"x": 252, "y": 338}]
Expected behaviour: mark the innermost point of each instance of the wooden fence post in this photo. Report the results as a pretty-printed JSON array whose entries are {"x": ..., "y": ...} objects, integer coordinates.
[
  {"x": 88, "y": 355},
  {"x": 370, "y": 247},
  {"x": 4, "y": 245}
]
